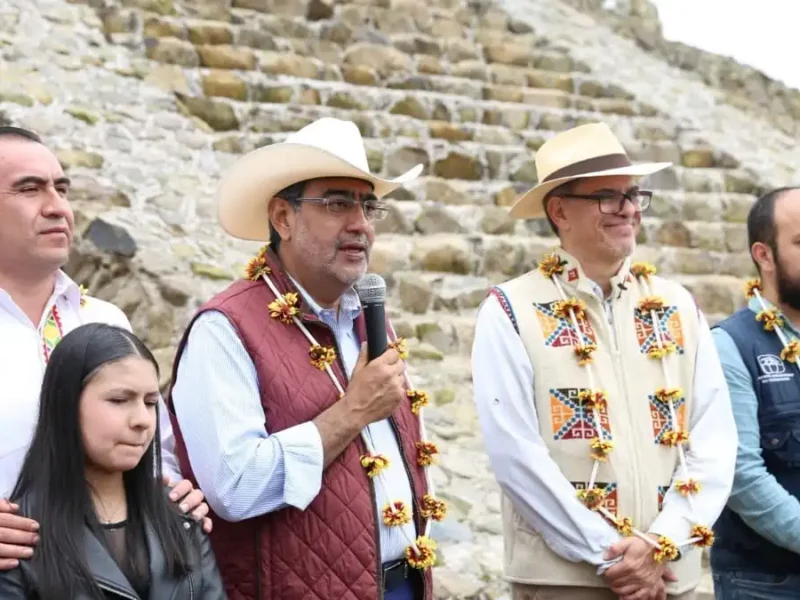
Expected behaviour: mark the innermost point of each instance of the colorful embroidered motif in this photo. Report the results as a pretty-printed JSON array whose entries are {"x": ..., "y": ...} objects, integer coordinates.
[
  {"x": 609, "y": 489},
  {"x": 572, "y": 419},
  {"x": 559, "y": 332},
  {"x": 662, "y": 418},
  {"x": 506, "y": 305},
  {"x": 51, "y": 333},
  {"x": 662, "y": 491},
  {"x": 670, "y": 327}
]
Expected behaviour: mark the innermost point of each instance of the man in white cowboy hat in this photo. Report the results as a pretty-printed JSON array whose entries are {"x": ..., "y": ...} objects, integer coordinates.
[
  {"x": 600, "y": 395},
  {"x": 299, "y": 443}
]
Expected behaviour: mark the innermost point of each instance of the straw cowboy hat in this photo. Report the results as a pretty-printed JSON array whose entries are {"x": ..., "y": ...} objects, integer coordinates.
[
  {"x": 586, "y": 151},
  {"x": 325, "y": 148}
]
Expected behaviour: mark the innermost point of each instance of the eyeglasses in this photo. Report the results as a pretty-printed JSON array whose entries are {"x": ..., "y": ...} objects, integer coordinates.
[
  {"x": 343, "y": 203},
  {"x": 612, "y": 202}
]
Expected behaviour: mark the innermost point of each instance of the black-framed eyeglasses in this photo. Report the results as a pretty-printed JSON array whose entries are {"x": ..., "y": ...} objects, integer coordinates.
[
  {"x": 346, "y": 203},
  {"x": 612, "y": 202}
]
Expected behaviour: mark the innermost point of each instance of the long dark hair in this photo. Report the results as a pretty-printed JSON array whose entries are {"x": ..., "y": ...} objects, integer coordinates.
[{"x": 53, "y": 480}]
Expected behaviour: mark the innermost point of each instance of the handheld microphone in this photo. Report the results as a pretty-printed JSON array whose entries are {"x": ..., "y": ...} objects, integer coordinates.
[{"x": 371, "y": 290}]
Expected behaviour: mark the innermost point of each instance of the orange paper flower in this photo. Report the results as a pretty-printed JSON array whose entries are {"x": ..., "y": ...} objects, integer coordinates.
[
  {"x": 374, "y": 464},
  {"x": 396, "y": 514},
  {"x": 401, "y": 346},
  {"x": 770, "y": 318},
  {"x": 562, "y": 308},
  {"x": 601, "y": 449},
  {"x": 431, "y": 508},
  {"x": 426, "y": 453},
  {"x": 705, "y": 534},
  {"x": 688, "y": 488},
  {"x": 674, "y": 438},
  {"x": 660, "y": 352},
  {"x": 666, "y": 395},
  {"x": 284, "y": 308},
  {"x": 425, "y": 555},
  {"x": 649, "y": 303},
  {"x": 322, "y": 356},
  {"x": 593, "y": 399},
  {"x": 791, "y": 352},
  {"x": 668, "y": 551},
  {"x": 624, "y": 526},
  {"x": 642, "y": 269},
  {"x": 551, "y": 265},
  {"x": 750, "y": 288},
  {"x": 583, "y": 352},
  {"x": 257, "y": 266},
  {"x": 418, "y": 400},
  {"x": 593, "y": 498},
  {"x": 83, "y": 292}
]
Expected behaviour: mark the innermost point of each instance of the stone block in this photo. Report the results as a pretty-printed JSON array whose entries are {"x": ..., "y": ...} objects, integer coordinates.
[
  {"x": 210, "y": 33},
  {"x": 553, "y": 81},
  {"x": 161, "y": 7},
  {"x": 458, "y": 49},
  {"x": 673, "y": 233},
  {"x": 345, "y": 100},
  {"x": 692, "y": 262},
  {"x": 615, "y": 106},
  {"x": 449, "y": 131},
  {"x": 516, "y": 119},
  {"x": 446, "y": 192},
  {"x": 444, "y": 27},
  {"x": 415, "y": 293},
  {"x": 707, "y": 236},
  {"x": 411, "y": 107},
  {"x": 277, "y": 94},
  {"x": 219, "y": 115},
  {"x": 319, "y": 10},
  {"x": 698, "y": 158},
  {"x": 701, "y": 207},
  {"x": 157, "y": 27},
  {"x": 495, "y": 221},
  {"x": 555, "y": 122},
  {"x": 278, "y": 63},
  {"x": 503, "y": 257},
  {"x": 213, "y": 10},
  {"x": 500, "y": 74},
  {"x": 224, "y": 84},
  {"x": 430, "y": 65},
  {"x": 653, "y": 133},
  {"x": 172, "y": 51},
  {"x": 735, "y": 238},
  {"x": 546, "y": 98},
  {"x": 526, "y": 172},
  {"x": 111, "y": 238},
  {"x": 443, "y": 253},
  {"x": 459, "y": 166},
  {"x": 402, "y": 159},
  {"x": 471, "y": 69},
  {"x": 414, "y": 43},
  {"x": 383, "y": 60},
  {"x": 83, "y": 114},
  {"x": 503, "y": 93},
  {"x": 509, "y": 53},
  {"x": 506, "y": 197},
  {"x": 256, "y": 38},
  {"x": 79, "y": 158},
  {"x": 553, "y": 61},
  {"x": 742, "y": 183},
  {"x": 227, "y": 57},
  {"x": 169, "y": 78},
  {"x": 289, "y": 8},
  {"x": 359, "y": 75},
  {"x": 436, "y": 218},
  {"x": 389, "y": 255},
  {"x": 736, "y": 208}
]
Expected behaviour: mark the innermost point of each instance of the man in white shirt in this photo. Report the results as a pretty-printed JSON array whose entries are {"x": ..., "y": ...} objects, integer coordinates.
[
  {"x": 39, "y": 304},
  {"x": 600, "y": 395}
]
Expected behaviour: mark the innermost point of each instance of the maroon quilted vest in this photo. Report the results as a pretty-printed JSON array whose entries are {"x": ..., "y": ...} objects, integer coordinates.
[{"x": 330, "y": 550}]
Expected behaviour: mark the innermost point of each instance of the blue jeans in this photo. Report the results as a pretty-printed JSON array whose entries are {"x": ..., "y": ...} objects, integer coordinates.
[
  {"x": 405, "y": 591},
  {"x": 749, "y": 585}
]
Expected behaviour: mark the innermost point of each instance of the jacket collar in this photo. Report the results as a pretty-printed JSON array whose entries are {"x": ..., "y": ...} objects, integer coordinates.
[{"x": 574, "y": 277}]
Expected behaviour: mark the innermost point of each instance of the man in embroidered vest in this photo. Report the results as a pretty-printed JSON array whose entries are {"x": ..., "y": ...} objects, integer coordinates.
[
  {"x": 756, "y": 551},
  {"x": 600, "y": 395},
  {"x": 312, "y": 457},
  {"x": 39, "y": 304}
]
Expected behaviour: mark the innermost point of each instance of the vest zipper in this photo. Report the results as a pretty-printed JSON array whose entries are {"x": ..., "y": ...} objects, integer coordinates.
[{"x": 191, "y": 587}]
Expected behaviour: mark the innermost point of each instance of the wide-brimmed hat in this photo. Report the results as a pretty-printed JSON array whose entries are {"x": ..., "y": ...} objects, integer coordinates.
[
  {"x": 325, "y": 148},
  {"x": 586, "y": 151}
]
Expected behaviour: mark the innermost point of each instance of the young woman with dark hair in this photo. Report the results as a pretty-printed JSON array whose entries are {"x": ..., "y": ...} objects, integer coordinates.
[{"x": 92, "y": 477}]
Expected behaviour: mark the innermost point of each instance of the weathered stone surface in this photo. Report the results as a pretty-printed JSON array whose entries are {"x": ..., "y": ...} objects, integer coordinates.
[
  {"x": 157, "y": 28},
  {"x": 382, "y": 59},
  {"x": 496, "y": 221},
  {"x": 458, "y": 166},
  {"x": 278, "y": 63},
  {"x": 516, "y": 118},
  {"x": 437, "y": 219},
  {"x": 673, "y": 233},
  {"x": 443, "y": 254},
  {"x": 79, "y": 158},
  {"x": 111, "y": 238},
  {"x": 172, "y": 51},
  {"x": 410, "y": 107},
  {"x": 403, "y": 159},
  {"x": 224, "y": 84},
  {"x": 508, "y": 53},
  {"x": 359, "y": 75},
  {"x": 219, "y": 115},
  {"x": 161, "y": 7},
  {"x": 207, "y": 33},
  {"x": 447, "y": 131},
  {"x": 415, "y": 292},
  {"x": 227, "y": 57},
  {"x": 319, "y": 9},
  {"x": 699, "y": 158}
]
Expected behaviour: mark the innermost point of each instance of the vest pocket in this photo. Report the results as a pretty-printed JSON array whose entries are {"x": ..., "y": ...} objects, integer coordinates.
[{"x": 782, "y": 445}]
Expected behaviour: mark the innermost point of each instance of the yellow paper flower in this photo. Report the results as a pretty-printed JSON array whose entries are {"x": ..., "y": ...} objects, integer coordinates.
[
  {"x": 674, "y": 438},
  {"x": 668, "y": 551},
  {"x": 551, "y": 265},
  {"x": 649, "y": 303},
  {"x": 750, "y": 288},
  {"x": 791, "y": 352},
  {"x": 374, "y": 464},
  {"x": 624, "y": 526},
  {"x": 688, "y": 488},
  {"x": 666, "y": 395},
  {"x": 593, "y": 399},
  {"x": 401, "y": 346},
  {"x": 562, "y": 308},
  {"x": 583, "y": 352},
  {"x": 660, "y": 352},
  {"x": 426, "y": 453},
  {"x": 431, "y": 508},
  {"x": 257, "y": 266},
  {"x": 770, "y": 318},
  {"x": 425, "y": 557},
  {"x": 322, "y": 356},
  {"x": 642, "y": 269},
  {"x": 396, "y": 514},
  {"x": 593, "y": 498},
  {"x": 601, "y": 449},
  {"x": 284, "y": 308},
  {"x": 83, "y": 292},
  {"x": 705, "y": 534},
  {"x": 418, "y": 400}
]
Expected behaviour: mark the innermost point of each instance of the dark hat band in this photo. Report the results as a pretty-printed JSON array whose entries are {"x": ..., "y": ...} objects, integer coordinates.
[{"x": 591, "y": 165}]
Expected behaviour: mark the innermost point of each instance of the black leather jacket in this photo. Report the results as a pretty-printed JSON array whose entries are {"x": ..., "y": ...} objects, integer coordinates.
[{"x": 203, "y": 583}]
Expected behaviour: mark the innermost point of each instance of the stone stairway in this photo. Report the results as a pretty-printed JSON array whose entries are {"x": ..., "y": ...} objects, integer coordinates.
[{"x": 147, "y": 101}]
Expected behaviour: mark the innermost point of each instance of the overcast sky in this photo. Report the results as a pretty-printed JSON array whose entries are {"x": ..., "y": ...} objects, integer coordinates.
[{"x": 761, "y": 33}]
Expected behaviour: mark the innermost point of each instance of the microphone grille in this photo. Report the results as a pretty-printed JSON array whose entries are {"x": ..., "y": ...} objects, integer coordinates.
[{"x": 371, "y": 289}]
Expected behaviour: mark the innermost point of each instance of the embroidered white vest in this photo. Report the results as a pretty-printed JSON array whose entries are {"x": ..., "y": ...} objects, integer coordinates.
[{"x": 639, "y": 469}]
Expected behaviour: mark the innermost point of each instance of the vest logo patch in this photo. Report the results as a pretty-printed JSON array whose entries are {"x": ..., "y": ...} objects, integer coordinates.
[
  {"x": 559, "y": 332},
  {"x": 669, "y": 325},
  {"x": 570, "y": 418},
  {"x": 610, "y": 502},
  {"x": 661, "y": 416},
  {"x": 773, "y": 369}
]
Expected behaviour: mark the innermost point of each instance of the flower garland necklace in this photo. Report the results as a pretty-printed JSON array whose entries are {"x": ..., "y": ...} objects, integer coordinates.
[
  {"x": 420, "y": 552},
  {"x": 772, "y": 320},
  {"x": 573, "y": 309}
]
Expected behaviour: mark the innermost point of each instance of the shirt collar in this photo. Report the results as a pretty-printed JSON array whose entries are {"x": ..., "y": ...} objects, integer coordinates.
[
  {"x": 573, "y": 275},
  {"x": 64, "y": 287},
  {"x": 755, "y": 306},
  {"x": 349, "y": 302}
]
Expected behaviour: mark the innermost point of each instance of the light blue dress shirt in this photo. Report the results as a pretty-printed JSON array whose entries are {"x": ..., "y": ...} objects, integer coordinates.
[
  {"x": 757, "y": 497},
  {"x": 243, "y": 470}
]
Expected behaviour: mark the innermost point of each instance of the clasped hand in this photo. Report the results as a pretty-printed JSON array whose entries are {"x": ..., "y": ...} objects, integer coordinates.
[{"x": 637, "y": 576}]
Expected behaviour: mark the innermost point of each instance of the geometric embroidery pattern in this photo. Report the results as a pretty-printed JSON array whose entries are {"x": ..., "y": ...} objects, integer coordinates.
[
  {"x": 662, "y": 491},
  {"x": 571, "y": 419},
  {"x": 669, "y": 321},
  {"x": 558, "y": 331},
  {"x": 501, "y": 297},
  {"x": 51, "y": 333},
  {"x": 610, "y": 502},
  {"x": 662, "y": 418}
]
